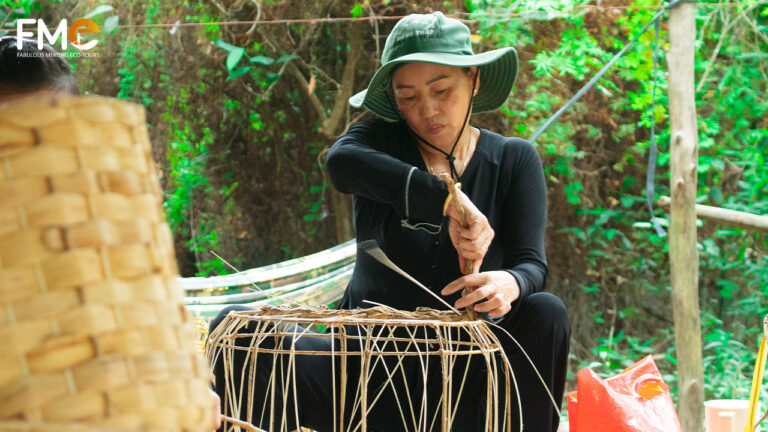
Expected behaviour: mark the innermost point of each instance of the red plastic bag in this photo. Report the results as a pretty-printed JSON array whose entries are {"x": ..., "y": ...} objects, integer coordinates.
[{"x": 635, "y": 400}]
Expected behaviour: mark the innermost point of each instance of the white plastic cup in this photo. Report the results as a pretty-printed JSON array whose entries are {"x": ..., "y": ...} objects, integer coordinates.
[{"x": 726, "y": 415}]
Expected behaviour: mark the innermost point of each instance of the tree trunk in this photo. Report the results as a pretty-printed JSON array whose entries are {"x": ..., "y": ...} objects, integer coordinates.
[
  {"x": 342, "y": 212},
  {"x": 342, "y": 203},
  {"x": 682, "y": 229}
]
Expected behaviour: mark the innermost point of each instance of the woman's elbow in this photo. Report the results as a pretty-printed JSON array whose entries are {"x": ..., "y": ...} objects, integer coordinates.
[{"x": 335, "y": 162}]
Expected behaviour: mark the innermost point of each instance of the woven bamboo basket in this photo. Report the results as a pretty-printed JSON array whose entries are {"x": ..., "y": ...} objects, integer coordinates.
[
  {"x": 254, "y": 355},
  {"x": 95, "y": 335}
]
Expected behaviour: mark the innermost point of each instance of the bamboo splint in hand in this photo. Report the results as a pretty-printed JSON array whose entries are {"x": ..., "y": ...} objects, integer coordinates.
[{"x": 453, "y": 195}]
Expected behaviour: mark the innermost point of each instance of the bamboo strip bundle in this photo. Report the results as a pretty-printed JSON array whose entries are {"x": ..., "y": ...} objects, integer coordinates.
[
  {"x": 94, "y": 332},
  {"x": 416, "y": 364}
]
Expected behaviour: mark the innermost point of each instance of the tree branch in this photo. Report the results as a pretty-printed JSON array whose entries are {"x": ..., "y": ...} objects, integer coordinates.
[
  {"x": 713, "y": 57},
  {"x": 737, "y": 218},
  {"x": 331, "y": 124},
  {"x": 304, "y": 86}
]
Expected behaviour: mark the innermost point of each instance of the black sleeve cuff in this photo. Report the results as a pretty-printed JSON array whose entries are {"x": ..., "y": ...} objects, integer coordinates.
[{"x": 525, "y": 288}]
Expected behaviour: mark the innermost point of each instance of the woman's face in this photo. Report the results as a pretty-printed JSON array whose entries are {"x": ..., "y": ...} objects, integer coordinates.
[{"x": 434, "y": 99}]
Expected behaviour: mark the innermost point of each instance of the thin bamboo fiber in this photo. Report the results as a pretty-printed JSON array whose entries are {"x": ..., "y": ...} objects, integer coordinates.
[
  {"x": 270, "y": 332},
  {"x": 92, "y": 323}
]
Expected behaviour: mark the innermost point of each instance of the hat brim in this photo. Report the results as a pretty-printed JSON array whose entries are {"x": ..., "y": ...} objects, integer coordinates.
[{"x": 498, "y": 71}]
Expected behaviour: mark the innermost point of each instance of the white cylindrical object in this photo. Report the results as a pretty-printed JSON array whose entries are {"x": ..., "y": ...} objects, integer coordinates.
[{"x": 726, "y": 415}]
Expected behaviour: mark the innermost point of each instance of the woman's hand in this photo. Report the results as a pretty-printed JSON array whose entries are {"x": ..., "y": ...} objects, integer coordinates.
[
  {"x": 216, "y": 407},
  {"x": 498, "y": 288},
  {"x": 471, "y": 242}
]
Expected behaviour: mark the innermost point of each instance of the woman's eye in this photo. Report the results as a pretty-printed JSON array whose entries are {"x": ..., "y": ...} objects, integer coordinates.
[{"x": 441, "y": 91}]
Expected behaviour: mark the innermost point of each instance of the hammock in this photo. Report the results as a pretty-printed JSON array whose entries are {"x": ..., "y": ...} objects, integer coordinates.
[{"x": 312, "y": 280}]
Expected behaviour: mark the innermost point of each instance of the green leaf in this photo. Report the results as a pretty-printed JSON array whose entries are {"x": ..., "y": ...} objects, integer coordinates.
[
  {"x": 629, "y": 201},
  {"x": 223, "y": 45},
  {"x": 357, "y": 10},
  {"x": 575, "y": 231},
  {"x": 272, "y": 77},
  {"x": 284, "y": 58},
  {"x": 98, "y": 11},
  {"x": 111, "y": 23},
  {"x": 671, "y": 359},
  {"x": 752, "y": 55},
  {"x": 598, "y": 317},
  {"x": 238, "y": 72},
  {"x": 234, "y": 57},
  {"x": 618, "y": 337},
  {"x": 716, "y": 194},
  {"x": 262, "y": 60},
  {"x": 605, "y": 216},
  {"x": 604, "y": 90},
  {"x": 572, "y": 192}
]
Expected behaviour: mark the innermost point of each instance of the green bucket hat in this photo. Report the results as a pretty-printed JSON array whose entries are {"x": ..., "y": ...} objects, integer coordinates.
[{"x": 434, "y": 38}]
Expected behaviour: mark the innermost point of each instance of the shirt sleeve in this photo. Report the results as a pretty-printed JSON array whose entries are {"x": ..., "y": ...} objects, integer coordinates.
[
  {"x": 525, "y": 210},
  {"x": 367, "y": 162}
]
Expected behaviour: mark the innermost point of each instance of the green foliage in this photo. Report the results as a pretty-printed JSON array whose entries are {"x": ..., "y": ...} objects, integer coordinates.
[
  {"x": 357, "y": 10},
  {"x": 598, "y": 161},
  {"x": 13, "y": 10},
  {"x": 138, "y": 61},
  {"x": 188, "y": 150},
  {"x": 236, "y": 54}
]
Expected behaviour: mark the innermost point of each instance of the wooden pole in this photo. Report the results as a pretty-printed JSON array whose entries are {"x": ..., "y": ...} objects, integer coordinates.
[
  {"x": 682, "y": 228},
  {"x": 730, "y": 217}
]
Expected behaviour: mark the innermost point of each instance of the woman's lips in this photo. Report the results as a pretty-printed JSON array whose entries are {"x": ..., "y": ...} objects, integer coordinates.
[{"x": 436, "y": 129}]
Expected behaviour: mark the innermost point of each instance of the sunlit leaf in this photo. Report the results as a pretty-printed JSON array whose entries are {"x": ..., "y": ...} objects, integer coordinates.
[
  {"x": 111, "y": 23},
  {"x": 234, "y": 57},
  {"x": 284, "y": 58},
  {"x": 238, "y": 72},
  {"x": 262, "y": 60},
  {"x": 223, "y": 45},
  {"x": 98, "y": 10}
]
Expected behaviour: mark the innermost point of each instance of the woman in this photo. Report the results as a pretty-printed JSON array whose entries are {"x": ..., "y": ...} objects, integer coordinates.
[
  {"x": 425, "y": 90},
  {"x": 427, "y": 86}
]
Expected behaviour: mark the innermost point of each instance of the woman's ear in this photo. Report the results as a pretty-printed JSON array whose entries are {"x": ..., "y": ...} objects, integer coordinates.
[{"x": 474, "y": 75}]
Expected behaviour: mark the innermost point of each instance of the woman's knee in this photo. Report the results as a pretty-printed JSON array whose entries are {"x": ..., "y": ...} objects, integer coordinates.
[
  {"x": 546, "y": 309},
  {"x": 223, "y": 314}
]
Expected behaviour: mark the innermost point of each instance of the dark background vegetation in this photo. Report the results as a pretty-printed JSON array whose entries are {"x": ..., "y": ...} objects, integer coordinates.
[{"x": 240, "y": 146}]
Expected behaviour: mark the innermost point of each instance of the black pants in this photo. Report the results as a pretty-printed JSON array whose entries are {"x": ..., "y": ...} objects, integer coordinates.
[{"x": 539, "y": 323}]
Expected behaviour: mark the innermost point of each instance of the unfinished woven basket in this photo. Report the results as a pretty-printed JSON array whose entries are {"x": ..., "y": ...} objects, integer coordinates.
[
  {"x": 254, "y": 355},
  {"x": 92, "y": 323}
]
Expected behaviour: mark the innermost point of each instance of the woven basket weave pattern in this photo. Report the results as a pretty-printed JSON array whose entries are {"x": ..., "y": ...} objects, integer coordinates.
[
  {"x": 378, "y": 341},
  {"x": 92, "y": 320}
]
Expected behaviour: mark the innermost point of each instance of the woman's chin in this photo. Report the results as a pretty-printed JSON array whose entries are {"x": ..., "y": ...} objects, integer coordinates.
[{"x": 439, "y": 138}]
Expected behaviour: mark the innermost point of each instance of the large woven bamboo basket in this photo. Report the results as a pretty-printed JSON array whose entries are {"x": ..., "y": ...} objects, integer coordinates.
[
  {"x": 259, "y": 357},
  {"x": 93, "y": 329}
]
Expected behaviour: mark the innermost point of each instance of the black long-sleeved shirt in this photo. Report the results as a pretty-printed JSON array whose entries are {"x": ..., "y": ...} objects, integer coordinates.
[{"x": 399, "y": 203}]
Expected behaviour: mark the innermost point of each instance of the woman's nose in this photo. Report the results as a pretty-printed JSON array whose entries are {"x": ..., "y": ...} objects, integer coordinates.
[{"x": 429, "y": 108}]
